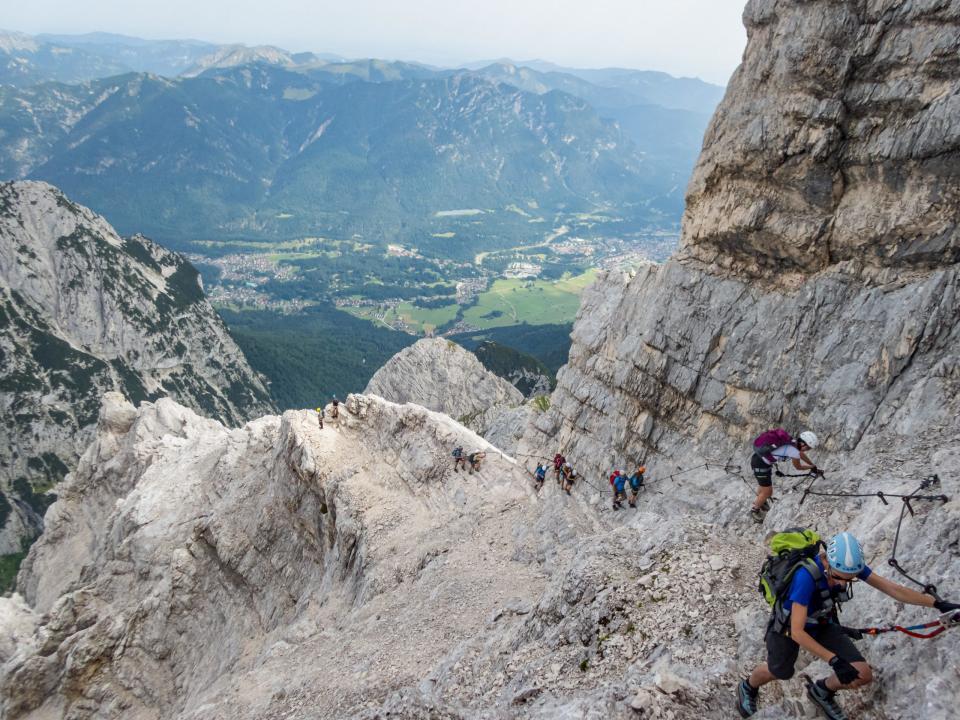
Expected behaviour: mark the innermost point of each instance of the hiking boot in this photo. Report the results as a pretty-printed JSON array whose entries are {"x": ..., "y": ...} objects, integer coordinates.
[
  {"x": 757, "y": 515},
  {"x": 746, "y": 699},
  {"x": 826, "y": 701}
]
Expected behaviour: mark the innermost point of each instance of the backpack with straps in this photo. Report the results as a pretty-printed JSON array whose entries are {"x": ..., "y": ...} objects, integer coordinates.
[
  {"x": 792, "y": 549},
  {"x": 769, "y": 441}
]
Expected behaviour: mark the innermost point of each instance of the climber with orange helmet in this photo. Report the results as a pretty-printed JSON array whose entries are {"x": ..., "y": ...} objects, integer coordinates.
[{"x": 636, "y": 482}]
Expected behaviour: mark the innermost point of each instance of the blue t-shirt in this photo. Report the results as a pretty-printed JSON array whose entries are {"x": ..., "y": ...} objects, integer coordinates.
[
  {"x": 804, "y": 591},
  {"x": 636, "y": 480},
  {"x": 619, "y": 482},
  {"x": 541, "y": 472}
]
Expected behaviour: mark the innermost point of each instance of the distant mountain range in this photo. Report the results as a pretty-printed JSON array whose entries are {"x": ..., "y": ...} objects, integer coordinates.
[{"x": 258, "y": 142}]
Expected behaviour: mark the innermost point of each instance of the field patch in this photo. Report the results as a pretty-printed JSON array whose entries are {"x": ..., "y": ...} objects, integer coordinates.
[{"x": 537, "y": 302}]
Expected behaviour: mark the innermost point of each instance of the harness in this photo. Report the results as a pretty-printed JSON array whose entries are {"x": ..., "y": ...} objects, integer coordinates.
[{"x": 829, "y": 606}]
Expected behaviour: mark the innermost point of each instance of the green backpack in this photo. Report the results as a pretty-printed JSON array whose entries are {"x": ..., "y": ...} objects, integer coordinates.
[{"x": 791, "y": 549}]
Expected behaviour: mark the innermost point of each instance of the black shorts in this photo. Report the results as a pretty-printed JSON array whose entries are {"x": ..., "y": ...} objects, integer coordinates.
[
  {"x": 761, "y": 471},
  {"x": 782, "y": 651}
]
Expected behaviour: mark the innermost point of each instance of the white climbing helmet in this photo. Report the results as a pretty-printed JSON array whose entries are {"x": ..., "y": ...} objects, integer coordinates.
[{"x": 809, "y": 439}]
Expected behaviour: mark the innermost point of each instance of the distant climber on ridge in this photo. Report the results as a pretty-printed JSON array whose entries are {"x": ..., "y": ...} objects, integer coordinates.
[
  {"x": 475, "y": 458},
  {"x": 335, "y": 410},
  {"x": 458, "y": 459},
  {"x": 771, "y": 447},
  {"x": 320, "y": 415},
  {"x": 569, "y": 477},
  {"x": 558, "y": 462},
  {"x": 805, "y": 616},
  {"x": 540, "y": 474}
]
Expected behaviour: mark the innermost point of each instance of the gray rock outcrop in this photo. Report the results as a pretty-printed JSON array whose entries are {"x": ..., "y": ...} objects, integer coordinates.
[
  {"x": 837, "y": 140},
  {"x": 443, "y": 376},
  {"x": 84, "y": 311}
]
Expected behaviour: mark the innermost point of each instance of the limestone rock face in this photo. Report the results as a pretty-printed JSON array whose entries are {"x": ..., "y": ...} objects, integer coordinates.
[
  {"x": 441, "y": 375},
  {"x": 82, "y": 312},
  {"x": 183, "y": 555},
  {"x": 817, "y": 286},
  {"x": 282, "y": 571},
  {"x": 837, "y": 140},
  {"x": 817, "y": 281},
  {"x": 676, "y": 357}
]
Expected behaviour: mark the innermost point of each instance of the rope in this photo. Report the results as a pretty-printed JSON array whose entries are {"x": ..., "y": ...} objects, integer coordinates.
[
  {"x": 928, "y": 588},
  {"x": 927, "y": 483},
  {"x": 932, "y": 480},
  {"x": 944, "y": 622}
]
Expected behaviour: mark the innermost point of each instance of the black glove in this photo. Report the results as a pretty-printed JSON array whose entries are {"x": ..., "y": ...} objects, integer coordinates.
[
  {"x": 853, "y": 633},
  {"x": 815, "y": 471},
  {"x": 778, "y": 473},
  {"x": 944, "y": 606},
  {"x": 846, "y": 673}
]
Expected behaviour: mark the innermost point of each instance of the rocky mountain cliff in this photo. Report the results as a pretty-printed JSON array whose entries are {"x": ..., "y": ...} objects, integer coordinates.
[
  {"x": 283, "y": 571},
  {"x": 83, "y": 311},
  {"x": 442, "y": 376},
  {"x": 816, "y": 282},
  {"x": 816, "y": 287}
]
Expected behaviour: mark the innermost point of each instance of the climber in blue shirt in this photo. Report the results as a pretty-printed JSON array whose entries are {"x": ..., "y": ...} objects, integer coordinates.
[
  {"x": 809, "y": 620},
  {"x": 540, "y": 474},
  {"x": 619, "y": 482}
]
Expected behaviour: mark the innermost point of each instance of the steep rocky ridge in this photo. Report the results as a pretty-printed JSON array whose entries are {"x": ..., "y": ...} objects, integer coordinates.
[
  {"x": 204, "y": 555},
  {"x": 188, "y": 570},
  {"x": 441, "y": 375},
  {"x": 816, "y": 286},
  {"x": 83, "y": 311},
  {"x": 266, "y": 545}
]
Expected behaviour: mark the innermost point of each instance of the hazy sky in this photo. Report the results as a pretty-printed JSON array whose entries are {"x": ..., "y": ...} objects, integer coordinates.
[{"x": 704, "y": 38}]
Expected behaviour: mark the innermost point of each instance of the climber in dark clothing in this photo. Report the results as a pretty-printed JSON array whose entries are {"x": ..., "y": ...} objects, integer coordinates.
[
  {"x": 558, "y": 462},
  {"x": 458, "y": 459},
  {"x": 569, "y": 476}
]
